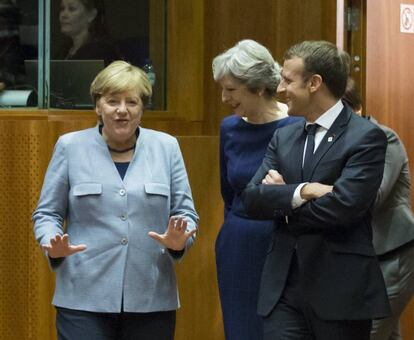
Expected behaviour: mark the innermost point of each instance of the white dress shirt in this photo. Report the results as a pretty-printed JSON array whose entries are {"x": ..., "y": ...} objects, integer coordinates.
[{"x": 325, "y": 122}]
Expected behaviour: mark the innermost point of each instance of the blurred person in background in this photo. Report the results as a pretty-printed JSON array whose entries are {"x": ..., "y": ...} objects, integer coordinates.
[
  {"x": 83, "y": 22},
  {"x": 392, "y": 224},
  {"x": 11, "y": 52}
]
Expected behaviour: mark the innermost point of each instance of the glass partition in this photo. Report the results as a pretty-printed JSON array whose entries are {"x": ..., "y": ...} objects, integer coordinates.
[
  {"x": 60, "y": 46},
  {"x": 18, "y": 43}
]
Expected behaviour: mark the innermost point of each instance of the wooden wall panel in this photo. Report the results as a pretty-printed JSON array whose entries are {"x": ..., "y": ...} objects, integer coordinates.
[
  {"x": 407, "y": 322},
  {"x": 389, "y": 86},
  {"x": 25, "y": 283},
  {"x": 185, "y": 79},
  {"x": 200, "y": 314},
  {"x": 390, "y": 70}
]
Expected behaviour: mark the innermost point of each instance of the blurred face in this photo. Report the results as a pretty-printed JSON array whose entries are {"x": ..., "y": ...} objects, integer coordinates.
[
  {"x": 74, "y": 17},
  {"x": 121, "y": 114},
  {"x": 243, "y": 102},
  {"x": 295, "y": 89}
]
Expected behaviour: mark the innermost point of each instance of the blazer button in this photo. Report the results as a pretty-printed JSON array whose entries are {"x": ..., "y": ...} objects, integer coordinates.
[
  {"x": 122, "y": 192},
  {"x": 123, "y": 217},
  {"x": 124, "y": 241}
]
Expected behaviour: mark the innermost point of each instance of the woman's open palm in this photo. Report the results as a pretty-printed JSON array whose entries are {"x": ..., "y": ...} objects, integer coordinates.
[
  {"x": 176, "y": 235},
  {"x": 60, "y": 246}
]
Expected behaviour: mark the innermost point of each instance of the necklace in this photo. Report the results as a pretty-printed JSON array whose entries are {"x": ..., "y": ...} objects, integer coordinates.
[{"x": 123, "y": 150}]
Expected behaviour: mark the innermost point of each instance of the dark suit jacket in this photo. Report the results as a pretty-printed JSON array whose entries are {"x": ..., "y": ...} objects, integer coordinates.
[
  {"x": 332, "y": 235},
  {"x": 393, "y": 219}
]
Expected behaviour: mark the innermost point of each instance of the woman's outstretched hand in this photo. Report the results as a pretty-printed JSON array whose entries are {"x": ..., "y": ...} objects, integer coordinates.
[
  {"x": 176, "y": 235},
  {"x": 60, "y": 246}
]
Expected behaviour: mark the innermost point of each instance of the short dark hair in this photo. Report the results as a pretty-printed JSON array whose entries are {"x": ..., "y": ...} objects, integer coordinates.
[{"x": 325, "y": 59}]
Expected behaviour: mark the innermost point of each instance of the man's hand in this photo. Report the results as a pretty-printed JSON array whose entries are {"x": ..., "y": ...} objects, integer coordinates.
[
  {"x": 315, "y": 190},
  {"x": 273, "y": 177},
  {"x": 60, "y": 247}
]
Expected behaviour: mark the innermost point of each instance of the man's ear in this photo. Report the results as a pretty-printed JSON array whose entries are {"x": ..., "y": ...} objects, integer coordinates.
[{"x": 315, "y": 82}]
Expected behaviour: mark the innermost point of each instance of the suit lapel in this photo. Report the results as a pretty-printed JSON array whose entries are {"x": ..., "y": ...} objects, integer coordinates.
[
  {"x": 330, "y": 138},
  {"x": 295, "y": 155}
]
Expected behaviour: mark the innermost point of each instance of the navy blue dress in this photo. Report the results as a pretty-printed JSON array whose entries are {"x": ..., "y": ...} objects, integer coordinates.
[{"x": 242, "y": 243}]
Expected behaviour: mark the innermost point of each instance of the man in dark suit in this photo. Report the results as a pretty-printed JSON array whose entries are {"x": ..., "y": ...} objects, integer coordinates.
[
  {"x": 392, "y": 226},
  {"x": 319, "y": 180},
  {"x": 393, "y": 235}
]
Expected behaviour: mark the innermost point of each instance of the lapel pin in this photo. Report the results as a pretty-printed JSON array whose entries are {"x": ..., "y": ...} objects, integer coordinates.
[{"x": 330, "y": 139}]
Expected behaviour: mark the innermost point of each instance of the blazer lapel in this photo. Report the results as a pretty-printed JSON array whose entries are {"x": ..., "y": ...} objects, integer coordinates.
[
  {"x": 330, "y": 138},
  {"x": 140, "y": 161},
  {"x": 295, "y": 155}
]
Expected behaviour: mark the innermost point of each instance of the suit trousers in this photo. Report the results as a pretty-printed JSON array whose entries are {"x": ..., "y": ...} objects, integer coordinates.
[
  {"x": 81, "y": 325},
  {"x": 398, "y": 270},
  {"x": 293, "y": 318}
]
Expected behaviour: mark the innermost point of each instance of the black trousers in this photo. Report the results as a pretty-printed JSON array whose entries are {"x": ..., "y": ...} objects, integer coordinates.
[
  {"x": 293, "y": 319},
  {"x": 80, "y": 325}
]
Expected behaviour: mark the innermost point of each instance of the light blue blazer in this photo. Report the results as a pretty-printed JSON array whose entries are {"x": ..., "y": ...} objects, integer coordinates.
[{"x": 82, "y": 187}]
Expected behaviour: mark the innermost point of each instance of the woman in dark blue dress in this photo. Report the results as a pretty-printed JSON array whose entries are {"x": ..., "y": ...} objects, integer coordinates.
[{"x": 249, "y": 77}]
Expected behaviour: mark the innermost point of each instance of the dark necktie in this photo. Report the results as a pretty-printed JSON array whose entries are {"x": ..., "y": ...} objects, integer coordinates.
[{"x": 310, "y": 146}]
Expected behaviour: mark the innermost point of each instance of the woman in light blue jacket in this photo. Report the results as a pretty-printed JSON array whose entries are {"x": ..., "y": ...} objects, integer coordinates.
[{"x": 115, "y": 213}]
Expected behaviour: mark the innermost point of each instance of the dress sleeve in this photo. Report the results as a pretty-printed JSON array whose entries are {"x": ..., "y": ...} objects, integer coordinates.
[{"x": 227, "y": 191}]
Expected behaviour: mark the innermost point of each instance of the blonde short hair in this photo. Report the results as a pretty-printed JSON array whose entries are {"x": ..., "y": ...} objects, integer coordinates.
[{"x": 120, "y": 76}]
